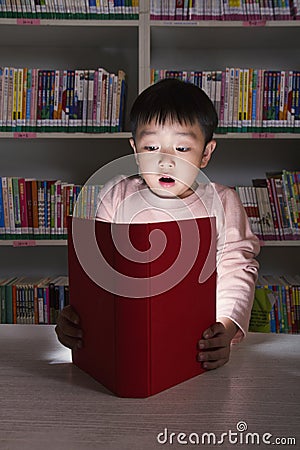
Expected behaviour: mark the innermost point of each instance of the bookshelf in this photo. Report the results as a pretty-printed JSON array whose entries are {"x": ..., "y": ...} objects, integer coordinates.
[
  {"x": 137, "y": 46},
  {"x": 239, "y": 157}
]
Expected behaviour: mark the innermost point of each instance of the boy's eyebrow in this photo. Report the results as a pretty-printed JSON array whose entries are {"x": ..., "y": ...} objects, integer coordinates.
[
  {"x": 187, "y": 133},
  {"x": 146, "y": 133},
  {"x": 179, "y": 133}
]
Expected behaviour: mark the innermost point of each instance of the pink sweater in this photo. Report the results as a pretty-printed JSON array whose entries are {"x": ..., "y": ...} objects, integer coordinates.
[{"x": 130, "y": 200}]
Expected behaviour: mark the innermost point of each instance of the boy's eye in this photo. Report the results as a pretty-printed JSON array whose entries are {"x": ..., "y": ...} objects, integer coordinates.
[
  {"x": 182, "y": 149},
  {"x": 150, "y": 148}
]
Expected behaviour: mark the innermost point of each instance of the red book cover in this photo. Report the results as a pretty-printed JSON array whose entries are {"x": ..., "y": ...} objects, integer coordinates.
[{"x": 145, "y": 292}]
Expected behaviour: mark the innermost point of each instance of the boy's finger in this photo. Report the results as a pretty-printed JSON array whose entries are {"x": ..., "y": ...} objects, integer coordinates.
[
  {"x": 65, "y": 327},
  {"x": 210, "y": 365},
  {"x": 70, "y": 314},
  {"x": 214, "y": 329},
  {"x": 68, "y": 341},
  {"x": 215, "y": 355},
  {"x": 214, "y": 342}
]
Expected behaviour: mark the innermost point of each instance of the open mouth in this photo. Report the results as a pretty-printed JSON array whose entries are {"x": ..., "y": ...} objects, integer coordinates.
[{"x": 166, "y": 181}]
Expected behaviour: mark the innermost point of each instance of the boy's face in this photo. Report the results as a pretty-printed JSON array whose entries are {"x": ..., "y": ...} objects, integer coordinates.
[{"x": 170, "y": 156}]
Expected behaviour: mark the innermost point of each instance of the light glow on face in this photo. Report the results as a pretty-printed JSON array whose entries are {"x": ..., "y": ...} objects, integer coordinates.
[{"x": 170, "y": 156}]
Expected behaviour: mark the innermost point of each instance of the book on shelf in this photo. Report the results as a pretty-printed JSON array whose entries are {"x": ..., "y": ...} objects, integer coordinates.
[
  {"x": 276, "y": 306},
  {"x": 142, "y": 341},
  {"x": 268, "y": 231},
  {"x": 70, "y": 10},
  {"x": 36, "y": 100},
  {"x": 273, "y": 205},
  {"x": 248, "y": 99},
  {"x": 256, "y": 11},
  {"x": 38, "y": 209},
  {"x": 32, "y": 300}
]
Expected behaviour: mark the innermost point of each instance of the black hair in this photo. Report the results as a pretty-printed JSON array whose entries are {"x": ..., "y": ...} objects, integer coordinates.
[{"x": 178, "y": 101}]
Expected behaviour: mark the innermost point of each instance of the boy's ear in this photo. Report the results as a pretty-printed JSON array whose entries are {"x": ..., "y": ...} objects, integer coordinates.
[
  {"x": 132, "y": 144},
  {"x": 209, "y": 148}
]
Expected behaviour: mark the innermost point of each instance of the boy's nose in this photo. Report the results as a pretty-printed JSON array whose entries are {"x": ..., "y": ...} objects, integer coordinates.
[{"x": 166, "y": 162}]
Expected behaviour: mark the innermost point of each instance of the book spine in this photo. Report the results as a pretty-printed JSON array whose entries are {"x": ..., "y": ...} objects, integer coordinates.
[
  {"x": 59, "y": 209},
  {"x": 28, "y": 100},
  {"x": 28, "y": 189},
  {"x": 41, "y": 212},
  {"x": 2, "y": 214},
  {"x": 23, "y": 208},
  {"x": 46, "y": 305},
  {"x": 34, "y": 100},
  {"x": 20, "y": 99},
  {"x": 9, "y": 302},
  {"x": 13, "y": 114},
  {"x": 297, "y": 103},
  {"x": 39, "y": 100},
  {"x": 90, "y": 100},
  {"x": 55, "y": 113},
  {"x": 65, "y": 112},
  {"x": 60, "y": 102},
  {"x": 236, "y": 100},
  {"x": 250, "y": 99},
  {"x": 24, "y": 99},
  {"x": 35, "y": 216},
  {"x": 45, "y": 100},
  {"x": 52, "y": 120},
  {"x": 6, "y": 207},
  {"x": 52, "y": 210},
  {"x": 290, "y": 111},
  {"x": 3, "y": 319},
  {"x": 11, "y": 208},
  {"x": 136, "y": 337}
]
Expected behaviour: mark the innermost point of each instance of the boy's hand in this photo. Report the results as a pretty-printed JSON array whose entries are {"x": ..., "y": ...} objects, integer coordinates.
[
  {"x": 68, "y": 330},
  {"x": 215, "y": 345}
]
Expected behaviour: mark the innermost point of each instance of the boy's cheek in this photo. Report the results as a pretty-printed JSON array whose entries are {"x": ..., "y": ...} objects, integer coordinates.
[{"x": 148, "y": 163}]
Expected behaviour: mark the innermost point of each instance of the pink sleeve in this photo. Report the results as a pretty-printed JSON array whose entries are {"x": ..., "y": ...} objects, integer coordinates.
[
  {"x": 238, "y": 268},
  {"x": 109, "y": 199}
]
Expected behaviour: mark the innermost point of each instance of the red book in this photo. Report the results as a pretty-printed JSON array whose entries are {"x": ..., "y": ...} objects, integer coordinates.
[{"x": 141, "y": 324}]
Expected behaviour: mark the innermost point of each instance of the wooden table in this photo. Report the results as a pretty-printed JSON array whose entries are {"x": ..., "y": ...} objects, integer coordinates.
[{"x": 47, "y": 403}]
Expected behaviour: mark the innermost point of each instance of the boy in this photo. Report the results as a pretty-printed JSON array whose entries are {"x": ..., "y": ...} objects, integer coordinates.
[{"x": 172, "y": 125}]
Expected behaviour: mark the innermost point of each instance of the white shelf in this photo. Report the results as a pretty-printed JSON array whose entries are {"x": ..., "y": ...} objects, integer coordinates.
[
  {"x": 63, "y": 242},
  {"x": 70, "y": 23},
  {"x": 225, "y": 24},
  {"x": 262, "y": 135},
  {"x": 127, "y": 135},
  {"x": 153, "y": 23},
  {"x": 295, "y": 243},
  {"x": 33, "y": 243},
  {"x": 25, "y": 135}
]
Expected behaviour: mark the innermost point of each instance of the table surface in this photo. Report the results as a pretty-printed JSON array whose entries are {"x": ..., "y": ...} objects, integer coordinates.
[{"x": 48, "y": 403}]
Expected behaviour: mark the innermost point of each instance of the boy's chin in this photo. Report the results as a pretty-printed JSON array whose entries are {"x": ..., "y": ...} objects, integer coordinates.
[{"x": 163, "y": 193}]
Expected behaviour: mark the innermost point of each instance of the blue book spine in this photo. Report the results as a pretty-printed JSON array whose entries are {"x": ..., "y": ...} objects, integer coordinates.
[
  {"x": 61, "y": 297},
  {"x": 28, "y": 100}
]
